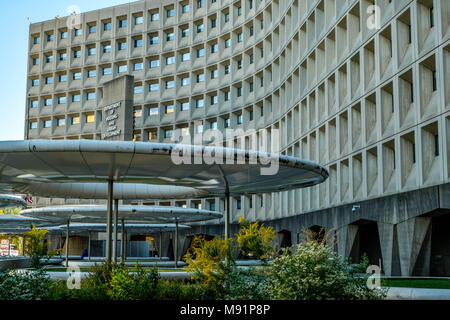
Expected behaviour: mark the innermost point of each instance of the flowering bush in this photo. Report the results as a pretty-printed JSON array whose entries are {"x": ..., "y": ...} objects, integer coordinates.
[
  {"x": 255, "y": 240},
  {"x": 30, "y": 285}
]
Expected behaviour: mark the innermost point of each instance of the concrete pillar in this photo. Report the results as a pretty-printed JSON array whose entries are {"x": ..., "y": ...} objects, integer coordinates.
[
  {"x": 67, "y": 243},
  {"x": 386, "y": 234},
  {"x": 122, "y": 242},
  {"x": 109, "y": 220},
  {"x": 412, "y": 234},
  {"x": 116, "y": 225},
  {"x": 176, "y": 243},
  {"x": 346, "y": 238}
]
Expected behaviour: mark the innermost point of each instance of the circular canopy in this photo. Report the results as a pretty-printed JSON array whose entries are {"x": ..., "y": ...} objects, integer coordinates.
[
  {"x": 96, "y": 213},
  {"x": 243, "y": 172},
  {"x": 12, "y": 221},
  {"x": 7, "y": 201},
  {"x": 132, "y": 228}
]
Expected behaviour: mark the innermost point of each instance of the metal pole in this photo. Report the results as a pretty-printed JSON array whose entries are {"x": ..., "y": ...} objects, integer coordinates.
[
  {"x": 109, "y": 220},
  {"x": 160, "y": 246},
  {"x": 176, "y": 243},
  {"x": 122, "y": 242},
  {"x": 67, "y": 243},
  {"x": 89, "y": 246},
  {"x": 116, "y": 225},
  {"x": 24, "y": 239},
  {"x": 227, "y": 214}
]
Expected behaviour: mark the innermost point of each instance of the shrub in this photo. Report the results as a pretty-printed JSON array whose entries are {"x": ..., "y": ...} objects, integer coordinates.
[
  {"x": 36, "y": 249},
  {"x": 314, "y": 272},
  {"x": 29, "y": 285},
  {"x": 255, "y": 240},
  {"x": 247, "y": 284}
]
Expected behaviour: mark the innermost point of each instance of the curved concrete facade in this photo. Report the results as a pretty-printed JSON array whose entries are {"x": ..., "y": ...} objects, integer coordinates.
[{"x": 371, "y": 105}]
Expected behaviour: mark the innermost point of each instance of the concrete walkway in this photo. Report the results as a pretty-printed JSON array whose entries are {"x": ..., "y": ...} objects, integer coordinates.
[{"x": 417, "y": 294}]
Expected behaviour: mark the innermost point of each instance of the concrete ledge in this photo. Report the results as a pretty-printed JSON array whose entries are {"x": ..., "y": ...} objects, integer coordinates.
[
  {"x": 417, "y": 294},
  {"x": 14, "y": 263}
]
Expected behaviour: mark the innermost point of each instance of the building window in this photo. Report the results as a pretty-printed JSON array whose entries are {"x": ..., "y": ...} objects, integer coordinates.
[
  {"x": 90, "y": 118},
  {"x": 199, "y": 103},
  {"x": 227, "y": 123},
  {"x": 107, "y": 70},
  {"x": 74, "y": 120},
  {"x": 62, "y": 56},
  {"x": 62, "y": 100},
  {"x": 200, "y": 77},
  {"x": 168, "y": 133},
  {"x": 240, "y": 37},
  {"x": 200, "y": 28},
  {"x": 107, "y": 48},
  {"x": 49, "y": 59},
  {"x": 35, "y": 61},
  {"x": 93, "y": 29},
  {"x": 170, "y": 13},
  {"x": 36, "y": 40},
  {"x": 154, "y": 64},
  {"x": 92, "y": 51},
  {"x": 214, "y": 100},
  {"x": 185, "y": 81},
  {"x": 214, "y": 74},
  {"x": 185, "y": 32},
  {"x": 61, "y": 122},
  {"x": 154, "y": 40},
  {"x": 76, "y": 76},
  {"x": 227, "y": 17},
  {"x": 138, "y": 20},
  {"x": 48, "y": 80},
  {"x": 170, "y": 60},
  {"x": 169, "y": 109},
  {"x": 47, "y": 123},
  {"x": 239, "y": 119},
  {"x": 154, "y": 16},
  {"x": 122, "y": 46},
  {"x": 153, "y": 87},
  {"x": 77, "y": 54},
  {"x": 107, "y": 26},
  {"x": 137, "y": 43},
  {"x": 138, "y": 89},
  {"x": 92, "y": 73},
  {"x": 200, "y": 53},
  {"x": 34, "y": 103},
  {"x": 64, "y": 35},
  {"x": 48, "y": 102},
  {"x": 122, "y": 68},
  {"x": 76, "y": 98},
  {"x": 33, "y": 125},
  {"x": 199, "y": 4},
  {"x": 227, "y": 69},
  {"x": 170, "y": 36},
  {"x": 123, "y": 23},
  {"x": 170, "y": 84},
  {"x": 185, "y": 57},
  {"x": 434, "y": 80},
  {"x": 138, "y": 66},
  {"x": 153, "y": 111},
  {"x": 227, "y": 43},
  {"x": 213, "y": 23},
  {"x": 35, "y": 82},
  {"x": 184, "y": 106},
  {"x": 185, "y": 8},
  {"x": 50, "y": 37},
  {"x": 214, "y": 48}
]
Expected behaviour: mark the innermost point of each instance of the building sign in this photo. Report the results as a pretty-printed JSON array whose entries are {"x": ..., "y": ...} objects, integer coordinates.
[{"x": 111, "y": 120}]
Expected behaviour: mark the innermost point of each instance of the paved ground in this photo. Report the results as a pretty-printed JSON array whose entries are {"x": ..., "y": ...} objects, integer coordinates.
[{"x": 418, "y": 294}]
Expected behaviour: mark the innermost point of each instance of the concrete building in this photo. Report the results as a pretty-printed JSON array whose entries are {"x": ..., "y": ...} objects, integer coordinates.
[{"x": 369, "y": 101}]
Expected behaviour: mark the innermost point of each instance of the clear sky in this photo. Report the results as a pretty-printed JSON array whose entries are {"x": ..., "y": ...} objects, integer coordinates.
[{"x": 13, "y": 54}]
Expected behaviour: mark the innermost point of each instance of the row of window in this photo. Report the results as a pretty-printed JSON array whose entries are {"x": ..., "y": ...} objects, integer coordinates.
[{"x": 138, "y": 20}]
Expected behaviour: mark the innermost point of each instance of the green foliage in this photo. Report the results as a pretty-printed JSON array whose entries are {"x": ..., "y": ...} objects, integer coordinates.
[
  {"x": 247, "y": 284},
  {"x": 210, "y": 261},
  {"x": 36, "y": 249},
  {"x": 30, "y": 285},
  {"x": 314, "y": 272},
  {"x": 255, "y": 240}
]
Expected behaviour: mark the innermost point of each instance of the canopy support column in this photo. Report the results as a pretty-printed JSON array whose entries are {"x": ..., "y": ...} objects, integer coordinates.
[
  {"x": 67, "y": 242},
  {"x": 109, "y": 221},
  {"x": 176, "y": 243},
  {"x": 160, "y": 246},
  {"x": 116, "y": 225},
  {"x": 89, "y": 246},
  {"x": 227, "y": 203},
  {"x": 122, "y": 242}
]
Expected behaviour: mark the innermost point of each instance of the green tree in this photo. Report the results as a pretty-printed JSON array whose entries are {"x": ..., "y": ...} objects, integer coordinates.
[
  {"x": 255, "y": 240},
  {"x": 35, "y": 247}
]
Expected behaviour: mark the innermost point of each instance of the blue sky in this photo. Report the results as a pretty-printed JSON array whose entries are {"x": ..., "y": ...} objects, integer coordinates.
[{"x": 13, "y": 54}]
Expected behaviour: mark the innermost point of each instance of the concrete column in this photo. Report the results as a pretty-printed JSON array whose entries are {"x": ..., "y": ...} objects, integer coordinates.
[
  {"x": 176, "y": 243},
  {"x": 386, "y": 233},
  {"x": 122, "y": 242},
  {"x": 116, "y": 225},
  {"x": 227, "y": 215},
  {"x": 413, "y": 234},
  {"x": 160, "y": 246},
  {"x": 67, "y": 243},
  {"x": 89, "y": 246},
  {"x": 346, "y": 238},
  {"x": 109, "y": 220}
]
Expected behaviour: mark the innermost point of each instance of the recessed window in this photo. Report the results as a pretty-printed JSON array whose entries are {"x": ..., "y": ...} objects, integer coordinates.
[
  {"x": 170, "y": 36},
  {"x": 200, "y": 77},
  {"x": 170, "y": 60},
  {"x": 123, "y": 23},
  {"x": 93, "y": 29},
  {"x": 75, "y": 120},
  {"x": 107, "y": 26},
  {"x": 154, "y": 16},
  {"x": 214, "y": 48},
  {"x": 137, "y": 43},
  {"x": 138, "y": 89},
  {"x": 200, "y": 28},
  {"x": 214, "y": 100},
  {"x": 77, "y": 54},
  {"x": 36, "y": 40},
  {"x": 35, "y": 61},
  {"x": 61, "y": 122},
  {"x": 239, "y": 119},
  {"x": 78, "y": 32},
  {"x": 185, "y": 8},
  {"x": 49, "y": 59},
  {"x": 227, "y": 43},
  {"x": 92, "y": 51},
  {"x": 47, "y": 123},
  {"x": 214, "y": 74},
  {"x": 62, "y": 100},
  {"x": 62, "y": 56},
  {"x": 184, "y": 106},
  {"x": 170, "y": 84},
  {"x": 200, "y": 53},
  {"x": 153, "y": 111},
  {"x": 169, "y": 109},
  {"x": 106, "y": 71},
  {"x": 138, "y": 20},
  {"x": 76, "y": 98},
  {"x": 185, "y": 81},
  {"x": 90, "y": 117},
  {"x": 48, "y": 102},
  {"x": 122, "y": 45},
  {"x": 50, "y": 37},
  {"x": 92, "y": 73},
  {"x": 154, "y": 40},
  {"x": 199, "y": 103},
  {"x": 185, "y": 33},
  {"x": 35, "y": 82},
  {"x": 122, "y": 68},
  {"x": 170, "y": 13},
  {"x": 154, "y": 63},
  {"x": 76, "y": 76},
  {"x": 34, "y": 103},
  {"x": 64, "y": 35},
  {"x": 185, "y": 56},
  {"x": 138, "y": 66},
  {"x": 33, "y": 125},
  {"x": 153, "y": 87},
  {"x": 62, "y": 78},
  {"x": 107, "y": 48},
  {"x": 168, "y": 133}
]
